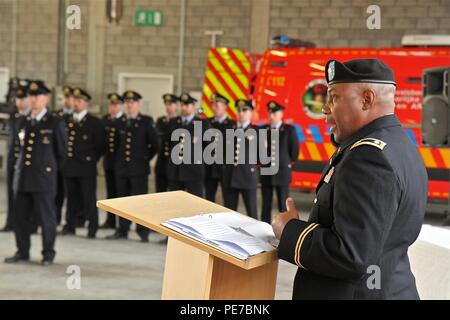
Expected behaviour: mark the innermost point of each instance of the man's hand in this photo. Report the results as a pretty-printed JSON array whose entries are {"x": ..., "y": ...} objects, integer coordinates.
[{"x": 279, "y": 220}]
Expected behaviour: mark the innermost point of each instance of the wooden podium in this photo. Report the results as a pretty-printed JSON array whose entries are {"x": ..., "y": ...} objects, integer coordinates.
[{"x": 193, "y": 269}]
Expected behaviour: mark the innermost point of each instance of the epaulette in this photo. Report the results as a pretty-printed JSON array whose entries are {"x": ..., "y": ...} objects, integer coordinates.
[{"x": 369, "y": 142}]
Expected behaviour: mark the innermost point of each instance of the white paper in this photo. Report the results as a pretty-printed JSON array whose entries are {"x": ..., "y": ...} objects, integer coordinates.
[{"x": 231, "y": 232}]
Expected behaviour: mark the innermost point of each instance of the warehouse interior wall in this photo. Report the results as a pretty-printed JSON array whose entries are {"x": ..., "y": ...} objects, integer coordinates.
[{"x": 97, "y": 52}]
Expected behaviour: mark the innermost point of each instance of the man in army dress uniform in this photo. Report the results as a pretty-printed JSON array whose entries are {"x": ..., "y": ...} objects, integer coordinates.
[
  {"x": 186, "y": 176},
  {"x": 110, "y": 121},
  {"x": 43, "y": 145},
  {"x": 136, "y": 144},
  {"x": 287, "y": 156},
  {"x": 221, "y": 122},
  {"x": 23, "y": 110},
  {"x": 86, "y": 145},
  {"x": 242, "y": 176},
  {"x": 171, "y": 103},
  {"x": 370, "y": 201}
]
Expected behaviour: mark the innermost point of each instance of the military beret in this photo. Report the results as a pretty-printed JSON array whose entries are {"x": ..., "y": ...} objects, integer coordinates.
[
  {"x": 243, "y": 104},
  {"x": 170, "y": 98},
  {"x": 186, "y": 98},
  {"x": 274, "y": 106},
  {"x": 68, "y": 91},
  {"x": 21, "y": 92},
  {"x": 359, "y": 70},
  {"x": 79, "y": 93},
  {"x": 131, "y": 95},
  {"x": 217, "y": 97},
  {"x": 37, "y": 87},
  {"x": 115, "y": 98}
]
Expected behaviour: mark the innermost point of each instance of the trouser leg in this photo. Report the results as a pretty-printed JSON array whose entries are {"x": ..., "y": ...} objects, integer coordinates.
[
  {"x": 138, "y": 186},
  {"x": 231, "y": 197},
  {"x": 267, "y": 191},
  {"x": 282, "y": 195},
  {"x": 88, "y": 186},
  {"x": 45, "y": 208},
  {"x": 110, "y": 193},
  {"x": 211, "y": 186},
  {"x": 22, "y": 222},
  {"x": 249, "y": 196}
]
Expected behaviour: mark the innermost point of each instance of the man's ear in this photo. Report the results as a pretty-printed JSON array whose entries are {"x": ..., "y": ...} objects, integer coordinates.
[{"x": 368, "y": 99}]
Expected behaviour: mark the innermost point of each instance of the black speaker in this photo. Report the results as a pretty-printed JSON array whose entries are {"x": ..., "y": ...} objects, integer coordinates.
[{"x": 436, "y": 107}]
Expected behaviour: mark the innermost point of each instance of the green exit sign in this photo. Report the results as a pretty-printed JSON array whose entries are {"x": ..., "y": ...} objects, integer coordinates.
[{"x": 148, "y": 18}]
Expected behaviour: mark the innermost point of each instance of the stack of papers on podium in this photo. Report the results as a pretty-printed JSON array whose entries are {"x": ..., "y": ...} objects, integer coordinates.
[{"x": 230, "y": 232}]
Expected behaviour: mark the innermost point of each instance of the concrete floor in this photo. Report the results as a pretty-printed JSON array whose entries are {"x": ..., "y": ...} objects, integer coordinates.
[{"x": 122, "y": 269}]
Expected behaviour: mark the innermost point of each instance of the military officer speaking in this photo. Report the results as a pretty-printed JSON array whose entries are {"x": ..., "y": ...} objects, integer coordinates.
[
  {"x": 85, "y": 147},
  {"x": 135, "y": 144},
  {"x": 221, "y": 122},
  {"x": 186, "y": 176},
  {"x": 171, "y": 103},
  {"x": 114, "y": 116},
  {"x": 242, "y": 176},
  {"x": 370, "y": 201},
  {"x": 23, "y": 110},
  {"x": 43, "y": 144},
  {"x": 287, "y": 150}
]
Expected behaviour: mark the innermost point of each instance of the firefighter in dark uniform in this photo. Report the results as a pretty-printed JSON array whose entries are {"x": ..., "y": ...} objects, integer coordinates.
[
  {"x": 370, "y": 201},
  {"x": 110, "y": 121},
  {"x": 66, "y": 113},
  {"x": 43, "y": 144},
  {"x": 287, "y": 150},
  {"x": 23, "y": 110},
  {"x": 242, "y": 176},
  {"x": 136, "y": 144},
  {"x": 87, "y": 143},
  {"x": 171, "y": 103},
  {"x": 186, "y": 174},
  {"x": 221, "y": 122}
]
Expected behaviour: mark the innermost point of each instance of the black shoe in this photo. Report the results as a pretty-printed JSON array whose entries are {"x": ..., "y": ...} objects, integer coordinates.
[
  {"x": 107, "y": 225},
  {"x": 81, "y": 223},
  {"x": 66, "y": 232},
  {"x": 46, "y": 262},
  {"x": 6, "y": 229},
  {"x": 91, "y": 235},
  {"x": 117, "y": 235},
  {"x": 144, "y": 239},
  {"x": 16, "y": 258}
]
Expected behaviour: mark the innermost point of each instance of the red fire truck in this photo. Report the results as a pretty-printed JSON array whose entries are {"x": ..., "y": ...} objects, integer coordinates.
[{"x": 295, "y": 77}]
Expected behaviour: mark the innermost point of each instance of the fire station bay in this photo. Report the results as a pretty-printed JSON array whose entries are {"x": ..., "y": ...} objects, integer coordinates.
[{"x": 224, "y": 150}]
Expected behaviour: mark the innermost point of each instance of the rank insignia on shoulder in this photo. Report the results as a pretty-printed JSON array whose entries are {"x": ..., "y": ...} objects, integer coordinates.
[{"x": 369, "y": 142}]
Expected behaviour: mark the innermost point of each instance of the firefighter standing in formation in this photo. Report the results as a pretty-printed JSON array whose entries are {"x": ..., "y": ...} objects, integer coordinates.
[{"x": 114, "y": 116}]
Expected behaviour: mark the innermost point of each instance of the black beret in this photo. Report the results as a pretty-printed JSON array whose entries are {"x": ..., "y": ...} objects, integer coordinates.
[
  {"x": 37, "y": 87},
  {"x": 170, "y": 98},
  {"x": 243, "y": 104},
  {"x": 115, "y": 98},
  {"x": 68, "y": 91},
  {"x": 22, "y": 92},
  {"x": 274, "y": 106},
  {"x": 358, "y": 70},
  {"x": 131, "y": 95},
  {"x": 79, "y": 93},
  {"x": 186, "y": 98},
  {"x": 217, "y": 97}
]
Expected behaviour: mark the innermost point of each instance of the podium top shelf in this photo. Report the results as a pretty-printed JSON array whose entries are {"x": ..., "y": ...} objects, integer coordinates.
[{"x": 151, "y": 210}]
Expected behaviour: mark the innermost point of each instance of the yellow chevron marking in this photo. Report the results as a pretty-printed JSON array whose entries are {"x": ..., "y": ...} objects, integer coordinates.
[
  {"x": 427, "y": 158},
  {"x": 445, "y": 154},
  {"x": 313, "y": 151}
]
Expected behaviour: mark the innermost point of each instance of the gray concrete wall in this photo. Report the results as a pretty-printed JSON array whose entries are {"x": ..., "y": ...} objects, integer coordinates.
[{"x": 328, "y": 23}]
